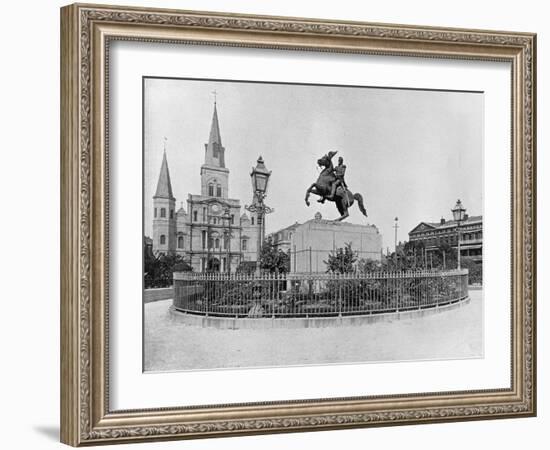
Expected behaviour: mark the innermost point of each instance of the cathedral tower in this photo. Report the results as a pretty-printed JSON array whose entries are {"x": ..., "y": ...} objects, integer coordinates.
[
  {"x": 164, "y": 214},
  {"x": 214, "y": 174}
]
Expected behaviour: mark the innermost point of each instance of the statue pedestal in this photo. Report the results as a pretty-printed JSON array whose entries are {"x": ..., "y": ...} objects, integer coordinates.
[{"x": 312, "y": 241}]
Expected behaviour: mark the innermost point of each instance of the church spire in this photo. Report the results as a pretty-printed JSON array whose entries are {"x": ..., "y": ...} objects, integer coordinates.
[
  {"x": 164, "y": 185},
  {"x": 215, "y": 137},
  {"x": 215, "y": 152}
]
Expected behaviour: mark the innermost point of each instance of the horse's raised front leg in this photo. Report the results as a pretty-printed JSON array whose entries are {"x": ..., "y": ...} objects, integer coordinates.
[{"x": 309, "y": 190}]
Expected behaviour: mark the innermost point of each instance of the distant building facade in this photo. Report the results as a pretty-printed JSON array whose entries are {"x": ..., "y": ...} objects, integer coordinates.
[
  {"x": 282, "y": 239},
  {"x": 310, "y": 243},
  {"x": 212, "y": 235},
  {"x": 435, "y": 234}
]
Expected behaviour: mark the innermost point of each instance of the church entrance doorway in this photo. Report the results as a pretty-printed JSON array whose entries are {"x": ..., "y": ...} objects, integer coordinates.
[{"x": 213, "y": 265}]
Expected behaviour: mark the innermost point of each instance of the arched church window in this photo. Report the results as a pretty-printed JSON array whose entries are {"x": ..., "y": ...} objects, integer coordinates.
[
  {"x": 244, "y": 244},
  {"x": 162, "y": 212},
  {"x": 218, "y": 190},
  {"x": 217, "y": 243},
  {"x": 211, "y": 190},
  {"x": 155, "y": 212},
  {"x": 195, "y": 218},
  {"x": 180, "y": 241},
  {"x": 162, "y": 239}
]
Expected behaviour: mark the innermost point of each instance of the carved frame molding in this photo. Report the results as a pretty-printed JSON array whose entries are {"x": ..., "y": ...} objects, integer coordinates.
[{"x": 86, "y": 31}]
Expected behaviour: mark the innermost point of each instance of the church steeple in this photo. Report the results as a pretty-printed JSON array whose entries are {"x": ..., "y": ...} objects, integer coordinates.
[
  {"x": 214, "y": 150},
  {"x": 214, "y": 174},
  {"x": 164, "y": 185},
  {"x": 215, "y": 137},
  {"x": 164, "y": 217}
]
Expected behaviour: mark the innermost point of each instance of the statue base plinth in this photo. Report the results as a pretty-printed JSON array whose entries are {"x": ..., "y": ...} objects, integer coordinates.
[{"x": 314, "y": 240}]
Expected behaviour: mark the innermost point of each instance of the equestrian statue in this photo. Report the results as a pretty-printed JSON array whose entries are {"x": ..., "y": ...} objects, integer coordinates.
[{"x": 331, "y": 186}]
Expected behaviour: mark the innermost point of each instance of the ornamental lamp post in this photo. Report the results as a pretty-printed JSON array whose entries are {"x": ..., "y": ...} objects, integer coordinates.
[
  {"x": 395, "y": 227},
  {"x": 226, "y": 218},
  {"x": 260, "y": 178},
  {"x": 458, "y": 215}
]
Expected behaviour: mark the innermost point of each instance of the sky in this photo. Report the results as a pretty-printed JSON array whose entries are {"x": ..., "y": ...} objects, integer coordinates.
[{"x": 410, "y": 153}]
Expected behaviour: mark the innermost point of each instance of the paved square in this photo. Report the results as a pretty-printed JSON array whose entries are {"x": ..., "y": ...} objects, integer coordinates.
[{"x": 171, "y": 345}]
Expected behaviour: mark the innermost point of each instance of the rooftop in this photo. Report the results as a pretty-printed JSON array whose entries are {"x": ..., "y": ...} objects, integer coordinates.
[
  {"x": 441, "y": 225},
  {"x": 164, "y": 185}
]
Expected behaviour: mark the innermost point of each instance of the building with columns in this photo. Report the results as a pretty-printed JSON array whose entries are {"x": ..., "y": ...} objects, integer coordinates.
[
  {"x": 435, "y": 234},
  {"x": 213, "y": 234}
]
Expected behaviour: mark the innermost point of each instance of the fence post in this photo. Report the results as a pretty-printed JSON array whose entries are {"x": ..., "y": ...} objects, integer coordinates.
[
  {"x": 339, "y": 296},
  {"x": 207, "y": 306},
  {"x": 397, "y": 277},
  {"x": 275, "y": 284}
]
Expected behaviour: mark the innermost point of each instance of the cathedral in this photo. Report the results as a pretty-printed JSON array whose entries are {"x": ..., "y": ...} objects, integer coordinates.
[{"x": 212, "y": 235}]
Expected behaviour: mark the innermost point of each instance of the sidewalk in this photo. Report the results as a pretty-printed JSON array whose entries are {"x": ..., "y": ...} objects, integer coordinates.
[{"x": 453, "y": 334}]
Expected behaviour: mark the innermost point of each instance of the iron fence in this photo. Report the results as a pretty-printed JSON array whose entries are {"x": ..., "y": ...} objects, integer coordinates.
[{"x": 316, "y": 295}]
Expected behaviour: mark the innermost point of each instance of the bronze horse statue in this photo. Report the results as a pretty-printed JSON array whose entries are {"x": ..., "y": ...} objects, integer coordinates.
[{"x": 343, "y": 197}]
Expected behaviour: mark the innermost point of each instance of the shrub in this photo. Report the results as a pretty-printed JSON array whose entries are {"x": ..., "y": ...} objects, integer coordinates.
[{"x": 341, "y": 260}]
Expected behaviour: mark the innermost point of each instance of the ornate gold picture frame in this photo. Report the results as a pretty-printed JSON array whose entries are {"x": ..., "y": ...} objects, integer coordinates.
[{"x": 87, "y": 31}]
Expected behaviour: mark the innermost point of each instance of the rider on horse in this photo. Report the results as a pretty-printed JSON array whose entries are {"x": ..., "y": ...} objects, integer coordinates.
[
  {"x": 327, "y": 185},
  {"x": 339, "y": 173}
]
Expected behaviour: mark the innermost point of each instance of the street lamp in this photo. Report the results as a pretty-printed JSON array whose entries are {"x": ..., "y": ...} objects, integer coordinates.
[
  {"x": 226, "y": 218},
  {"x": 395, "y": 227},
  {"x": 260, "y": 178},
  {"x": 458, "y": 215}
]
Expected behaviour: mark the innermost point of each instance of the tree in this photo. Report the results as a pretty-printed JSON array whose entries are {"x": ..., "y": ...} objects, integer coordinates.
[
  {"x": 408, "y": 256},
  {"x": 414, "y": 255},
  {"x": 365, "y": 265},
  {"x": 341, "y": 260},
  {"x": 445, "y": 257},
  {"x": 475, "y": 270},
  {"x": 273, "y": 259},
  {"x": 159, "y": 270},
  {"x": 247, "y": 267}
]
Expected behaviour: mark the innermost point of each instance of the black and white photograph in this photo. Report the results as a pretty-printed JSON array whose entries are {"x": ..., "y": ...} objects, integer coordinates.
[
  {"x": 300, "y": 224},
  {"x": 275, "y": 225}
]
